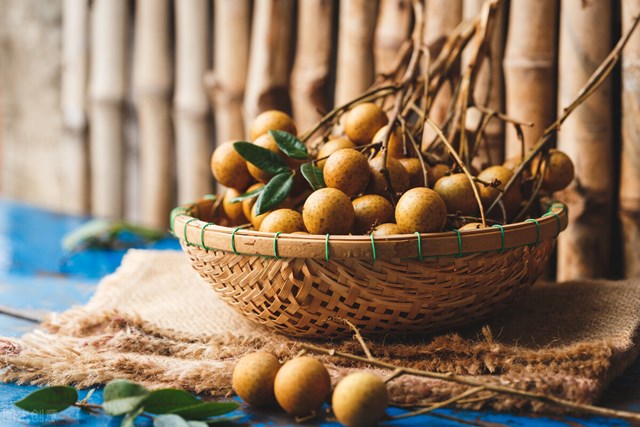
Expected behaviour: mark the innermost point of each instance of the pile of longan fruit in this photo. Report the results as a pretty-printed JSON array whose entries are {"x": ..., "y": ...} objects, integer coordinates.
[
  {"x": 301, "y": 386},
  {"x": 357, "y": 198}
]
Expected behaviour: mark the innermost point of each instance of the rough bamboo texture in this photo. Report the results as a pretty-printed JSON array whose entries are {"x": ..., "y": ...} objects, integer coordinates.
[
  {"x": 74, "y": 144},
  {"x": 392, "y": 29},
  {"x": 226, "y": 83},
  {"x": 110, "y": 41},
  {"x": 530, "y": 69},
  {"x": 630, "y": 159},
  {"x": 312, "y": 65},
  {"x": 152, "y": 86},
  {"x": 355, "y": 68},
  {"x": 586, "y": 136},
  {"x": 270, "y": 58},
  {"x": 191, "y": 109}
]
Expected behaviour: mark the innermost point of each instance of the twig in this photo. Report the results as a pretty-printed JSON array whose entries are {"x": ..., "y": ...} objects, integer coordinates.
[
  {"x": 359, "y": 338},
  {"x": 442, "y": 404}
]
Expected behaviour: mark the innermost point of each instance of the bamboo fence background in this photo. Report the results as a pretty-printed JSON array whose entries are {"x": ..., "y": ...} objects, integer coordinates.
[{"x": 148, "y": 87}]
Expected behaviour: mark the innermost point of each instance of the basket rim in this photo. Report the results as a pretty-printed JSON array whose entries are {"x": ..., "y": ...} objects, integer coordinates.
[{"x": 192, "y": 231}]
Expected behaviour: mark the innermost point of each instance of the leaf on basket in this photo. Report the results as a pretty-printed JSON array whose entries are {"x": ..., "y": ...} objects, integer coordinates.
[
  {"x": 276, "y": 190},
  {"x": 247, "y": 195},
  {"x": 261, "y": 158},
  {"x": 166, "y": 400},
  {"x": 122, "y": 396},
  {"x": 290, "y": 145},
  {"x": 313, "y": 175},
  {"x": 49, "y": 400}
]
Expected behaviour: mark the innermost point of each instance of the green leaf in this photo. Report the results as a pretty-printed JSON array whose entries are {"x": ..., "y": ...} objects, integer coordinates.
[
  {"x": 276, "y": 190},
  {"x": 247, "y": 195},
  {"x": 49, "y": 400},
  {"x": 222, "y": 420},
  {"x": 170, "y": 420},
  {"x": 197, "y": 424},
  {"x": 290, "y": 145},
  {"x": 122, "y": 396},
  {"x": 261, "y": 158},
  {"x": 166, "y": 400},
  {"x": 313, "y": 175},
  {"x": 203, "y": 410},
  {"x": 130, "y": 418}
]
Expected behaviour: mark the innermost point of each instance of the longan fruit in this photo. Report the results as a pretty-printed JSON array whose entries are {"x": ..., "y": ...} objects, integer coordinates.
[
  {"x": 421, "y": 209},
  {"x": 264, "y": 141},
  {"x": 347, "y": 170},
  {"x": 511, "y": 199},
  {"x": 386, "y": 229},
  {"x": 271, "y": 120},
  {"x": 302, "y": 385},
  {"x": 282, "y": 220},
  {"x": 457, "y": 193},
  {"x": 435, "y": 172},
  {"x": 397, "y": 173},
  {"x": 414, "y": 170},
  {"x": 371, "y": 210},
  {"x": 360, "y": 400},
  {"x": 247, "y": 204},
  {"x": 233, "y": 211},
  {"x": 363, "y": 121},
  {"x": 395, "y": 146},
  {"x": 331, "y": 147},
  {"x": 472, "y": 226},
  {"x": 328, "y": 210},
  {"x": 559, "y": 171},
  {"x": 229, "y": 168},
  {"x": 253, "y": 378}
]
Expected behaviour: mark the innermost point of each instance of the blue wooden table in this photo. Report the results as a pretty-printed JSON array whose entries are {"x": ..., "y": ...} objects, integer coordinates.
[{"x": 37, "y": 277}]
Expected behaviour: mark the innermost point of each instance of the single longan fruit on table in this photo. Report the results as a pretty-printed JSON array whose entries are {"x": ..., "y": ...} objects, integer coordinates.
[
  {"x": 363, "y": 121},
  {"x": 282, "y": 220},
  {"x": 302, "y": 385},
  {"x": 421, "y": 209},
  {"x": 386, "y": 229},
  {"x": 233, "y": 211},
  {"x": 328, "y": 210},
  {"x": 414, "y": 170},
  {"x": 559, "y": 171},
  {"x": 331, "y": 147},
  {"x": 360, "y": 400},
  {"x": 253, "y": 378},
  {"x": 397, "y": 173},
  {"x": 488, "y": 194},
  {"x": 229, "y": 168},
  {"x": 457, "y": 193},
  {"x": 395, "y": 146},
  {"x": 271, "y": 120},
  {"x": 347, "y": 170},
  {"x": 371, "y": 210}
]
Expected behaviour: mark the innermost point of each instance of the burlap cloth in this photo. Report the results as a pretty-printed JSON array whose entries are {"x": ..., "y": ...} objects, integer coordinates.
[{"x": 157, "y": 322}]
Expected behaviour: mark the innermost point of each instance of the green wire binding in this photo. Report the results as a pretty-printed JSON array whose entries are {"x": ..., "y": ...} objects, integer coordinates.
[
  {"x": 535, "y": 221},
  {"x": 185, "y": 231},
  {"x": 459, "y": 242},
  {"x": 558, "y": 220},
  {"x": 420, "y": 257},
  {"x": 326, "y": 247},
  {"x": 501, "y": 235},
  {"x": 275, "y": 244},
  {"x": 233, "y": 240},
  {"x": 373, "y": 248},
  {"x": 202, "y": 236}
]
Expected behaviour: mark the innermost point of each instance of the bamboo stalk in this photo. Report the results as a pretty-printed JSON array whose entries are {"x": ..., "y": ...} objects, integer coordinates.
[
  {"x": 226, "y": 83},
  {"x": 152, "y": 86},
  {"x": 312, "y": 66},
  {"x": 392, "y": 29},
  {"x": 586, "y": 136},
  {"x": 529, "y": 69},
  {"x": 270, "y": 58},
  {"x": 75, "y": 48},
  {"x": 108, "y": 89},
  {"x": 354, "y": 68},
  {"x": 630, "y": 160},
  {"x": 191, "y": 112}
]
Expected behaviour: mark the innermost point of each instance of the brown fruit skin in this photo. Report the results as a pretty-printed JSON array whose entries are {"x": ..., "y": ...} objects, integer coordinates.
[
  {"x": 247, "y": 204},
  {"x": 331, "y": 147},
  {"x": 472, "y": 226},
  {"x": 265, "y": 141},
  {"x": 421, "y": 209},
  {"x": 457, "y": 193},
  {"x": 302, "y": 385},
  {"x": 229, "y": 168},
  {"x": 271, "y": 120},
  {"x": 395, "y": 146},
  {"x": 386, "y": 229},
  {"x": 511, "y": 199},
  {"x": 363, "y": 121},
  {"x": 397, "y": 173},
  {"x": 282, "y": 220},
  {"x": 233, "y": 211},
  {"x": 347, "y": 170},
  {"x": 360, "y": 400},
  {"x": 414, "y": 170},
  {"x": 253, "y": 378},
  {"x": 328, "y": 211},
  {"x": 435, "y": 172},
  {"x": 371, "y": 210},
  {"x": 559, "y": 171}
]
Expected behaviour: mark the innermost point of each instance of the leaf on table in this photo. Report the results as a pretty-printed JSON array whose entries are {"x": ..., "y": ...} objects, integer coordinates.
[
  {"x": 170, "y": 420},
  {"x": 49, "y": 399},
  {"x": 130, "y": 418},
  {"x": 313, "y": 175},
  {"x": 261, "y": 158},
  {"x": 274, "y": 193},
  {"x": 290, "y": 145},
  {"x": 122, "y": 396},
  {"x": 166, "y": 400},
  {"x": 204, "y": 410}
]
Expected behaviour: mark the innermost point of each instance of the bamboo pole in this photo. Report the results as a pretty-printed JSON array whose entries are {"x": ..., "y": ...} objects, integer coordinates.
[
  {"x": 530, "y": 69},
  {"x": 152, "y": 86},
  {"x": 586, "y": 136},
  {"x": 226, "y": 83},
  {"x": 270, "y": 58},
  {"x": 191, "y": 111},
  {"x": 108, "y": 89},
  {"x": 392, "y": 29},
  {"x": 630, "y": 160},
  {"x": 354, "y": 68},
  {"x": 75, "y": 49},
  {"x": 312, "y": 65}
]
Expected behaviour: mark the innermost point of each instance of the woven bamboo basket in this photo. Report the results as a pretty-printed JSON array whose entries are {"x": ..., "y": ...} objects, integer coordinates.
[{"x": 307, "y": 285}]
